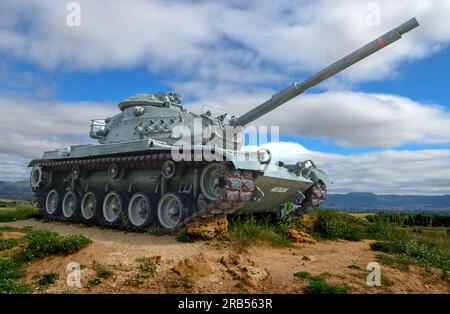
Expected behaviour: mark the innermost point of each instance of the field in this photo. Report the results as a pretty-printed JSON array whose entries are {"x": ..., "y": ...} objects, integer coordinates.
[{"x": 254, "y": 256}]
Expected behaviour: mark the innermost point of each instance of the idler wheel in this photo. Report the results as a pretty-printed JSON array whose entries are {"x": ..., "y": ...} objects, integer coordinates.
[
  {"x": 212, "y": 181},
  {"x": 70, "y": 204},
  {"x": 172, "y": 209},
  {"x": 53, "y": 203},
  {"x": 40, "y": 177}
]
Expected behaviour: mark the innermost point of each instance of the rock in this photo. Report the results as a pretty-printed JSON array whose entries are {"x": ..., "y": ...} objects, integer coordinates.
[
  {"x": 208, "y": 229},
  {"x": 309, "y": 258},
  {"x": 253, "y": 276},
  {"x": 300, "y": 237},
  {"x": 242, "y": 268},
  {"x": 235, "y": 260},
  {"x": 197, "y": 266}
]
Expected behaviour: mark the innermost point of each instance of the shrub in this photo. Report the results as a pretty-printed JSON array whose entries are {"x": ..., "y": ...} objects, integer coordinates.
[
  {"x": 318, "y": 285},
  {"x": 422, "y": 251},
  {"x": 333, "y": 225},
  {"x": 249, "y": 230},
  {"x": 6, "y": 244},
  {"x": 48, "y": 279},
  {"x": 41, "y": 243},
  {"x": 103, "y": 272},
  {"x": 9, "y": 273},
  {"x": 303, "y": 275},
  {"x": 148, "y": 265},
  {"x": 73, "y": 243},
  {"x": 156, "y": 231}
]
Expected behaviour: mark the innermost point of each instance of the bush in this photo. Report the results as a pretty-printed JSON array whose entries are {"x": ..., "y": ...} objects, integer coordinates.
[
  {"x": 148, "y": 265},
  {"x": 41, "y": 243},
  {"x": 48, "y": 279},
  {"x": 333, "y": 225},
  {"x": 422, "y": 251},
  {"x": 103, "y": 272},
  {"x": 6, "y": 244},
  {"x": 9, "y": 273},
  {"x": 249, "y": 230},
  {"x": 318, "y": 286},
  {"x": 73, "y": 243}
]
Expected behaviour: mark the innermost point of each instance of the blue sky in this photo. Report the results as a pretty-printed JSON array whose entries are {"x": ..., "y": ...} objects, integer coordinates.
[{"x": 392, "y": 111}]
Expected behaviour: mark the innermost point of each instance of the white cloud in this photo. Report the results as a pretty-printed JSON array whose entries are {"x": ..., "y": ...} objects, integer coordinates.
[
  {"x": 421, "y": 172},
  {"x": 348, "y": 118},
  {"x": 219, "y": 42},
  {"x": 28, "y": 127}
]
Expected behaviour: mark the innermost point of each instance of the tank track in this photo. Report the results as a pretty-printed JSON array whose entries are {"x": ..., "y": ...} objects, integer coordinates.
[{"x": 239, "y": 184}]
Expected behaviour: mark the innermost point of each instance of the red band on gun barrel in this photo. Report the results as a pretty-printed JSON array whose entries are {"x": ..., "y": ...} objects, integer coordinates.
[{"x": 381, "y": 42}]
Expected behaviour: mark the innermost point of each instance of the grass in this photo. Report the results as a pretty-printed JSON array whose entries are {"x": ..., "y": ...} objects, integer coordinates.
[
  {"x": 41, "y": 243},
  {"x": 318, "y": 285},
  {"x": 157, "y": 231},
  {"x": 35, "y": 244},
  {"x": 10, "y": 274},
  {"x": 250, "y": 230},
  {"x": 423, "y": 252},
  {"x": 103, "y": 272},
  {"x": 13, "y": 211},
  {"x": 182, "y": 236},
  {"x": 148, "y": 265},
  {"x": 6, "y": 244},
  {"x": 48, "y": 279}
]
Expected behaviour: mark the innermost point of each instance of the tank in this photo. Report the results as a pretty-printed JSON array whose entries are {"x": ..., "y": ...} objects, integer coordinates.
[{"x": 157, "y": 163}]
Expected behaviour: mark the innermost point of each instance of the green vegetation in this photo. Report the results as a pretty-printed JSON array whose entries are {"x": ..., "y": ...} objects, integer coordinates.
[
  {"x": 103, "y": 272},
  {"x": 13, "y": 211},
  {"x": 398, "y": 219},
  {"x": 6, "y": 244},
  {"x": 421, "y": 248},
  {"x": 333, "y": 225},
  {"x": 182, "y": 236},
  {"x": 148, "y": 265},
  {"x": 424, "y": 252},
  {"x": 156, "y": 231},
  {"x": 35, "y": 244},
  {"x": 41, "y": 243},
  {"x": 318, "y": 285},
  {"x": 48, "y": 279},
  {"x": 250, "y": 230},
  {"x": 10, "y": 273}
]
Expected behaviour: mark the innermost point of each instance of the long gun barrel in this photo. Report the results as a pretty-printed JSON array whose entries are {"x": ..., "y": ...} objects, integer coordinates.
[{"x": 299, "y": 87}]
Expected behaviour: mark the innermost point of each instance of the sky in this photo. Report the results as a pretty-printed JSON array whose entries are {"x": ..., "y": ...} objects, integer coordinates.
[{"x": 381, "y": 126}]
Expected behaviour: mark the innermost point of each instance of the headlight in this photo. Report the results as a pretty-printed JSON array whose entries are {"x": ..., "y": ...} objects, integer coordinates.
[{"x": 264, "y": 156}]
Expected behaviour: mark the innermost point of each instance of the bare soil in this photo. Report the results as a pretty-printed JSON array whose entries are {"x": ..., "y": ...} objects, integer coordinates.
[{"x": 259, "y": 268}]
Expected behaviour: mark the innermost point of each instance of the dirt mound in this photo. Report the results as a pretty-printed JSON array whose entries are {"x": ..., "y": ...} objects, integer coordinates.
[
  {"x": 301, "y": 237},
  {"x": 208, "y": 229}
]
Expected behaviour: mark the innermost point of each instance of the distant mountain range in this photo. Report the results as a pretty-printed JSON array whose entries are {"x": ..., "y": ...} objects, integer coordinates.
[
  {"x": 16, "y": 190},
  {"x": 353, "y": 202},
  {"x": 369, "y": 202}
]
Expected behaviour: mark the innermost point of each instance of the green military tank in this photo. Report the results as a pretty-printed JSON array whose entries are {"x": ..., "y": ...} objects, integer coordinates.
[{"x": 145, "y": 170}]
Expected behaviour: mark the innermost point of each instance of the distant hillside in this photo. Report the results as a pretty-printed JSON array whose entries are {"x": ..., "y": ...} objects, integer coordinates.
[
  {"x": 354, "y": 202},
  {"x": 405, "y": 203},
  {"x": 16, "y": 190}
]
